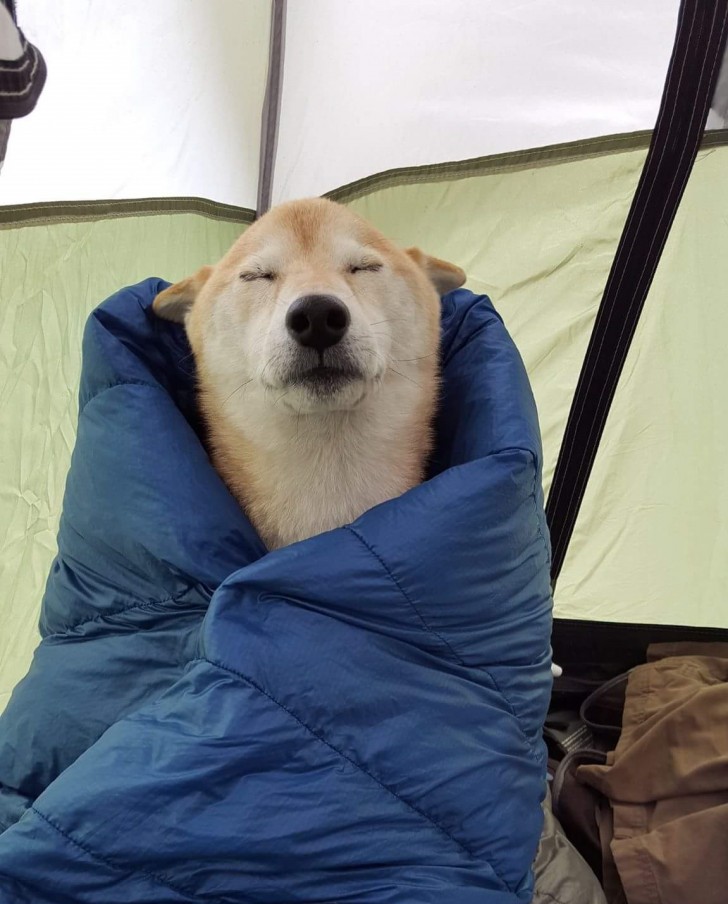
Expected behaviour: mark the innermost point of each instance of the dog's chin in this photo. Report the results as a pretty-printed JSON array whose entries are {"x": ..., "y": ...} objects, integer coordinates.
[{"x": 321, "y": 389}]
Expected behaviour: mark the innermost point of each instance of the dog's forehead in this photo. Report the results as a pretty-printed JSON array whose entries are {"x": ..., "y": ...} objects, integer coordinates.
[{"x": 304, "y": 229}]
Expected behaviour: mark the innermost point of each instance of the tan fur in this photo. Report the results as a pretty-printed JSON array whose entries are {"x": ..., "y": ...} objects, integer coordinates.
[{"x": 300, "y": 463}]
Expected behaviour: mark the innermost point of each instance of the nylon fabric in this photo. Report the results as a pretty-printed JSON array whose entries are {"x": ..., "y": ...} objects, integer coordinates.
[
  {"x": 358, "y": 715},
  {"x": 51, "y": 277}
]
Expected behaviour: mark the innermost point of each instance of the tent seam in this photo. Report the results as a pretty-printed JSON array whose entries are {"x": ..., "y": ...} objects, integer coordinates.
[
  {"x": 271, "y": 106},
  {"x": 508, "y": 162},
  {"x": 40, "y": 213}
]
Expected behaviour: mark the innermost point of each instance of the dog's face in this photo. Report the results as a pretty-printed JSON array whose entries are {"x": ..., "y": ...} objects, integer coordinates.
[{"x": 310, "y": 311}]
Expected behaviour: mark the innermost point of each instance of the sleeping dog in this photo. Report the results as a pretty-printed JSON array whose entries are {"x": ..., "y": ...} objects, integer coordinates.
[{"x": 316, "y": 342}]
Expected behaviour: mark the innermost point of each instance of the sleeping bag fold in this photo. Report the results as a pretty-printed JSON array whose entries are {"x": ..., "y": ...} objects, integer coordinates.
[{"x": 356, "y": 717}]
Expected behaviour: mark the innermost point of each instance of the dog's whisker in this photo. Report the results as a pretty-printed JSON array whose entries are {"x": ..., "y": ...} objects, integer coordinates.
[
  {"x": 388, "y": 320},
  {"x": 267, "y": 364},
  {"x": 242, "y": 386},
  {"x": 394, "y": 370},
  {"x": 282, "y": 396},
  {"x": 421, "y": 358},
  {"x": 247, "y": 382}
]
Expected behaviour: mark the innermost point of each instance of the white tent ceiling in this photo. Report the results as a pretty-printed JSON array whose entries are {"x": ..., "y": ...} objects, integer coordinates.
[
  {"x": 377, "y": 85},
  {"x": 165, "y": 98},
  {"x": 143, "y": 99}
]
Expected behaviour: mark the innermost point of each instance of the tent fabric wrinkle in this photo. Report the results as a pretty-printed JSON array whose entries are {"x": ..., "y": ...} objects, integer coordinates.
[{"x": 691, "y": 79}]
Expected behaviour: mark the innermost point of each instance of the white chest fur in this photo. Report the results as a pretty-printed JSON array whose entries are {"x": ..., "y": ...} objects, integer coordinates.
[{"x": 300, "y": 475}]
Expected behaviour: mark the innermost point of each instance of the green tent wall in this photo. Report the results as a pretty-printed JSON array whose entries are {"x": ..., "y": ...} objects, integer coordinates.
[{"x": 510, "y": 145}]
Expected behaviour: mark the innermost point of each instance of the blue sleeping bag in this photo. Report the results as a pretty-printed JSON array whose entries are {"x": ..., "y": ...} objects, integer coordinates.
[{"x": 353, "y": 718}]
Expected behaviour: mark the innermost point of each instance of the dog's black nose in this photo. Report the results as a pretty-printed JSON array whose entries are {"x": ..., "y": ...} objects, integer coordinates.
[{"x": 318, "y": 321}]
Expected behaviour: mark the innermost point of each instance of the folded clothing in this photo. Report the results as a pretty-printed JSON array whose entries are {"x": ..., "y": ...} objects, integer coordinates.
[{"x": 667, "y": 779}]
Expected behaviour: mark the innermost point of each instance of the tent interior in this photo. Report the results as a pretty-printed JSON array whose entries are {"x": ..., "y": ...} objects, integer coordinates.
[{"x": 507, "y": 138}]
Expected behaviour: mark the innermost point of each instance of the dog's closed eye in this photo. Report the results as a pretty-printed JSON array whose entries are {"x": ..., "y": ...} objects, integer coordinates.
[
  {"x": 252, "y": 275},
  {"x": 365, "y": 267}
]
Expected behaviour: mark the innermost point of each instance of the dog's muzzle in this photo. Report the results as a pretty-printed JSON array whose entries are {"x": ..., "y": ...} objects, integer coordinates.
[{"x": 322, "y": 364}]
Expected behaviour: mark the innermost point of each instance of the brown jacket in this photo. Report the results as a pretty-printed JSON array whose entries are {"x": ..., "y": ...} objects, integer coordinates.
[{"x": 667, "y": 779}]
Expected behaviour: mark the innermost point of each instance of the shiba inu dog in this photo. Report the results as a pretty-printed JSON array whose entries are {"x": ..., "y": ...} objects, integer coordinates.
[{"x": 316, "y": 342}]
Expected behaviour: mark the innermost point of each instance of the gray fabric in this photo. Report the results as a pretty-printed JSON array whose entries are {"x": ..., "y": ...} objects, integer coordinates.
[
  {"x": 11, "y": 44},
  {"x": 718, "y": 118},
  {"x": 271, "y": 106},
  {"x": 4, "y": 135},
  {"x": 562, "y": 875}
]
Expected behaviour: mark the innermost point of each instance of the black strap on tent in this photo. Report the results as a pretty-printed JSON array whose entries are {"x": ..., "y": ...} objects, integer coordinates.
[
  {"x": 691, "y": 78},
  {"x": 271, "y": 106}
]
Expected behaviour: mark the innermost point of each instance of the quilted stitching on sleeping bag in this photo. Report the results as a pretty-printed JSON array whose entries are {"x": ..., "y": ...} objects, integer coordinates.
[{"x": 356, "y": 717}]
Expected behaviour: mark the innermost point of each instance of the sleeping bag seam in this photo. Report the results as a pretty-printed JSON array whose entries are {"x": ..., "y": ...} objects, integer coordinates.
[
  {"x": 102, "y": 616},
  {"x": 512, "y": 710},
  {"x": 106, "y": 387},
  {"x": 532, "y": 742},
  {"x": 533, "y": 495},
  {"x": 496, "y": 684},
  {"x": 539, "y": 510},
  {"x": 319, "y": 737},
  {"x": 455, "y": 350},
  {"x": 404, "y": 593},
  {"x": 158, "y": 879}
]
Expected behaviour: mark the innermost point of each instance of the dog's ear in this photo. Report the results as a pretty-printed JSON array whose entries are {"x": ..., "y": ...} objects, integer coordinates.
[
  {"x": 175, "y": 302},
  {"x": 443, "y": 275}
]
